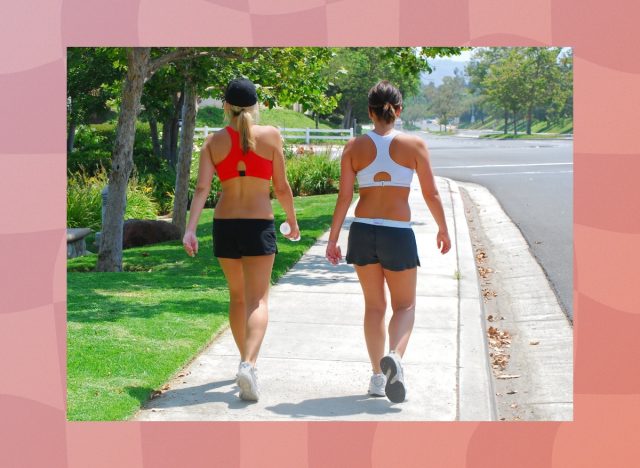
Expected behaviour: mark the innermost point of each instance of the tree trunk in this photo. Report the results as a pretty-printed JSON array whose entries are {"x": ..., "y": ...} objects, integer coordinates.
[
  {"x": 170, "y": 129},
  {"x": 166, "y": 138},
  {"x": 71, "y": 136},
  {"x": 515, "y": 123},
  {"x": 175, "y": 131},
  {"x": 506, "y": 121},
  {"x": 529, "y": 118},
  {"x": 153, "y": 128},
  {"x": 317, "y": 119},
  {"x": 110, "y": 257},
  {"x": 180, "y": 200},
  {"x": 346, "y": 122}
]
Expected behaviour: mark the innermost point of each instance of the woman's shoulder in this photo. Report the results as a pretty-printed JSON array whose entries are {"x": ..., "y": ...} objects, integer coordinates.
[
  {"x": 266, "y": 129},
  {"x": 412, "y": 141},
  {"x": 267, "y": 133}
]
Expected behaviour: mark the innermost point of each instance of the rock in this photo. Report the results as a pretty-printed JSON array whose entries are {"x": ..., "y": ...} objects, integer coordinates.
[
  {"x": 76, "y": 245},
  {"x": 139, "y": 232}
]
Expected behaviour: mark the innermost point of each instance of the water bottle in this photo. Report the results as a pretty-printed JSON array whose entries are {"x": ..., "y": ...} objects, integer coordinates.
[{"x": 285, "y": 229}]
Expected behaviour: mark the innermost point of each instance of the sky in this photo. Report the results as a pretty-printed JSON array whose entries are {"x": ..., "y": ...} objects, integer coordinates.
[{"x": 464, "y": 56}]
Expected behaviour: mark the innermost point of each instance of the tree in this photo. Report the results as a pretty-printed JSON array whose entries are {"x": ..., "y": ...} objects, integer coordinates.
[
  {"x": 477, "y": 70},
  {"x": 506, "y": 85},
  {"x": 92, "y": 78},
  {"x": 447, "y": 100},
  {"x": 354, "y": 70},
  {"x": 110, "y": 256},
  {"x": 183, "y": 171},
  {"x": 543, "y": 80}
]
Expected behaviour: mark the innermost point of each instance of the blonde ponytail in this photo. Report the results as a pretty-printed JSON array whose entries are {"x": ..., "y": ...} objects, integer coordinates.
[{"x": 246, "y": 117}]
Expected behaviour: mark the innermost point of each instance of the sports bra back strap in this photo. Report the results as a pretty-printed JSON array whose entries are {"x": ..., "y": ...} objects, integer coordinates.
[{"x": 235, "y": 137}]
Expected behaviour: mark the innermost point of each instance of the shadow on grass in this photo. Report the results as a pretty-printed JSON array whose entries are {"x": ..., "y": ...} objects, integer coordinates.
[{"x": 108, "y": 308}]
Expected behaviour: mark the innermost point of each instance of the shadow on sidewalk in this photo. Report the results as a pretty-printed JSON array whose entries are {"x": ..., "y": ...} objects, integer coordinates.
[
  {"x": 336, "y": 406},
  {"x": 227, "y": 392},
  {"x": 316, "y": 271}
]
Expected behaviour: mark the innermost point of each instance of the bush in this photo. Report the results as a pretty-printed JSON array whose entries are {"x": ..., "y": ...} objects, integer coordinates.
[
  {"x": 313, "y": 174},
  {"x": 216, "y": 186},
  {"x": 210, "y": 116},
  {"x": 84, "y": 200},
  {"x": 94, "y": 145}
]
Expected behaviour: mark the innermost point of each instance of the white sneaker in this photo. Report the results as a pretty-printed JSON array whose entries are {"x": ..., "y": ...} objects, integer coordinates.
[
  {"x": 248, "y": 382},
  {"x": 392, "y": 369},
  {"x": 376, "y": 385}
]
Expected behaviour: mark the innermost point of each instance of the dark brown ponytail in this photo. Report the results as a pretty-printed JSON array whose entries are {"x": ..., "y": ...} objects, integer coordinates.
[{"x": 384, "y": 101}]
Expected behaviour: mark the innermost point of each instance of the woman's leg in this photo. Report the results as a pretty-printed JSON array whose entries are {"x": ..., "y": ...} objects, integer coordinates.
[
  {"x": 372, "y": 282},
  {"x": 257, "y": 277},
  {"x": 232, "y": 269},
  {"x": 402, "y": 287}
]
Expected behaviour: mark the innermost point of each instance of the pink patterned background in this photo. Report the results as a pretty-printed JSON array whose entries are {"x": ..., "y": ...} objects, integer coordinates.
[{"x": 33, "y": 37}]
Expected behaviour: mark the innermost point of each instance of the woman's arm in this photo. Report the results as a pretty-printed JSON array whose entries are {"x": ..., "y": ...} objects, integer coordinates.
[
  {"x": 206, "y": 170},
  {"x": 345, "y": 195},
  {"x": 431, "y": 195},
  {"x": 281, "y": 187}
]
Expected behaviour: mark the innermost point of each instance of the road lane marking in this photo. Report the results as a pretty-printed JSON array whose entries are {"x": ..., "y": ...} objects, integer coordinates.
[
  {"x": 504, "y": 165},
  {"x": 522, "y": 173}
]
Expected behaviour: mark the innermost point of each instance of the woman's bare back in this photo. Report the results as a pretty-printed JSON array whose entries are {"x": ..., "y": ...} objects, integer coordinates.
[
  {"x": 244, "y": 197},
  {"x": 385, "y": 202}
]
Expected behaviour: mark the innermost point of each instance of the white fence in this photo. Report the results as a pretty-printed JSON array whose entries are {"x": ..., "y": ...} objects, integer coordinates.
[{"x": 306, "y": 134}]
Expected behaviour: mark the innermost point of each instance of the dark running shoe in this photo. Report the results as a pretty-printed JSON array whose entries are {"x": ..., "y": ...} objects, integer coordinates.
[{"x": 392, "y": 369}]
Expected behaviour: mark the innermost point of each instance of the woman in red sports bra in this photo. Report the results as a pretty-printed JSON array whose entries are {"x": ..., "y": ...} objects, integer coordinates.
[{"x": 246, "y": 157}]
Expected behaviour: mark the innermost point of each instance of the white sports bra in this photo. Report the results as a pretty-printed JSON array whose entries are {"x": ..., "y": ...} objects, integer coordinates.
[{"x": 401, "y": 176}]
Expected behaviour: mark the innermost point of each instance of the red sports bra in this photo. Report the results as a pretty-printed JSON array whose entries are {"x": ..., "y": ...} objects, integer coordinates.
[{"x": 256, "y": 166}]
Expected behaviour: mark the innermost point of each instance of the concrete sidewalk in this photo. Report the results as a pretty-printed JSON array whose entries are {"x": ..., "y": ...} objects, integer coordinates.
[{"x": 314, "y": 365}]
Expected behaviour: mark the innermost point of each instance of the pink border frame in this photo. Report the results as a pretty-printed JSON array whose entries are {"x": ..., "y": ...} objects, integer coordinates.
[{"x": 33, "y": 429}]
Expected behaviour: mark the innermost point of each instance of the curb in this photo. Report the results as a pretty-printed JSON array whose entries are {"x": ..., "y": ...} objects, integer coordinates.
[
  {"x": 542, "y": 347},
  {"x": 475, "y": 385}
]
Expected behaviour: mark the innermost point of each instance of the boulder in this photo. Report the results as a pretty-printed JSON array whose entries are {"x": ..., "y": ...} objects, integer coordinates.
[
  {"x": 139, "y": 232},
  {"x": 76, "y": 245}
]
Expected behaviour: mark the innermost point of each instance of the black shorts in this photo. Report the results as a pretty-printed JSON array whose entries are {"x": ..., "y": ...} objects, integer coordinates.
[
  {"x": 394, "y": 248},
  {"x": 236, "y": 238}
]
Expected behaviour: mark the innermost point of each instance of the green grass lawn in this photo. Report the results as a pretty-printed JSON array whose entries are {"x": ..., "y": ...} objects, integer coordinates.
[
  {"x": 214, "y": 117},
  {"x": 521, "y": 136},
  {"x": 563, "y": 126},
  {"x": 130, "y": 332}
]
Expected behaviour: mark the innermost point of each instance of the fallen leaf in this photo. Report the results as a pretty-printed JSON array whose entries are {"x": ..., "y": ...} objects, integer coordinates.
[
  {"x": 534, "y": 342},
  {"x": 508, "y": 376},
  {"x": 512, "y": 392}
]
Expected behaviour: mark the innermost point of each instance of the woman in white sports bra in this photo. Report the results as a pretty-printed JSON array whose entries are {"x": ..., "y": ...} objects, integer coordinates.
[{"x": 382, "y": 246}]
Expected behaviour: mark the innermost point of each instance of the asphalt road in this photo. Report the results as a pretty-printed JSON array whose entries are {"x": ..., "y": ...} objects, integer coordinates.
[{"x": 533, "y": 181}]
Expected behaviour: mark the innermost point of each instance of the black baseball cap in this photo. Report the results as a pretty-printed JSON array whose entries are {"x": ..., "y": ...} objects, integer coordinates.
[{"x": 241, "y": 92}]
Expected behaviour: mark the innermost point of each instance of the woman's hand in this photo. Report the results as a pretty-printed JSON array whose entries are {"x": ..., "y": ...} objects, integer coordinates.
[
  {"x": 190, "y": 243},
  {"x": 295, "y": 231},
  {"x": 333, "y": 252},
  {"x": 443, "y": 241}
]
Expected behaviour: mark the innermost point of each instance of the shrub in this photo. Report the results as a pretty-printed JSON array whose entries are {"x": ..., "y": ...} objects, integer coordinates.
[
  {"x": 216, "y": 186},
  {"x": 94, "y": 145},
  {"x": 84, "y": 200},
  {"x": 210, "y": 116},
  {"x": 311, "y": 174}
]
